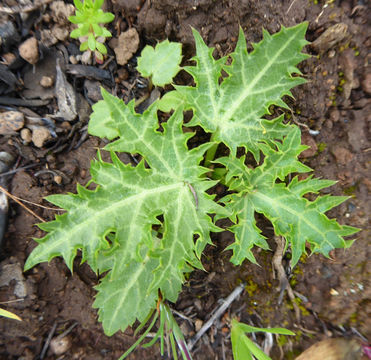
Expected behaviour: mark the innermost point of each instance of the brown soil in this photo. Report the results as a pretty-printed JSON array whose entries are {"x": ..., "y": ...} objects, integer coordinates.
[{"x": 335, "y": 101}]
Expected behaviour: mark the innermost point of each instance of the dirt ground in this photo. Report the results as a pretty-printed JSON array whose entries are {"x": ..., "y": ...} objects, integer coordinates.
[{"x": 334, "y": 295}]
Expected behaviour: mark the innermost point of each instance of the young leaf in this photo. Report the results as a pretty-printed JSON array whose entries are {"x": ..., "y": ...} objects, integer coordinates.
[
  {"x": 101, "y": 48},
  {"x": 104, "y": 18},
  {"x": 79, "y": 5},
  {"x": 98, "y": 4},
  {"x": 293, "y": 216},
  {"x": 243, "y": 348},
  {"x": 76, "y": 33},
  {"x": 232, "y": 110},
  {"x": 84, "y": 46},
  {"x": 161, "y": 62},
  {"x": 91, "y": 42},
  {"x": 112, "y": 224}
]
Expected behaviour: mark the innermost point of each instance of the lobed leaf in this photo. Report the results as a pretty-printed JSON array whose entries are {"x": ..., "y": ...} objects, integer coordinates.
[
  {"x": 232, "y": 107},
  {"x": 112, "y": 225},
  {"x": 160, "y": 63},
  {"x": 294, "y": 217}
]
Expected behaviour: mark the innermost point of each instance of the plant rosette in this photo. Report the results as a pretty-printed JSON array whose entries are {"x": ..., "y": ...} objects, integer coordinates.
[
  {"x": 145, "y": 226},
  {"x": 90, "y": 31}
]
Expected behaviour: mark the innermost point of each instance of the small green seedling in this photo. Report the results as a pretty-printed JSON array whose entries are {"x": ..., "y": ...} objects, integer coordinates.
[
  {"x": 161, "y": 63},
  {"x": 144, "y": 227},
  {"x": 89, "y": 18},
  {"x": 243, "y": 348}
]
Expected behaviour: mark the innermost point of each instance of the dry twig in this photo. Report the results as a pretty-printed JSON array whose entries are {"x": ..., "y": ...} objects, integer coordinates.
[
  {"x": 226, "y": 303},
  {"x": 7, "y": 193},
  {"x": 284, "y": 283}
]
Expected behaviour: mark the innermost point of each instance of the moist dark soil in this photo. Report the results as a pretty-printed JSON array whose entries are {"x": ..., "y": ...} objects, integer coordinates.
[{"x": 333, "y": 110}]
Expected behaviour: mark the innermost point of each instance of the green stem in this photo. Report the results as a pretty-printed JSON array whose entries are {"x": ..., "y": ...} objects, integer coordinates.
[{"x": 136, "y": 344}]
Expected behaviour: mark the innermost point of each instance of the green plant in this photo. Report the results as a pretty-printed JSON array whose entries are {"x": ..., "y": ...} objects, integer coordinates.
[
  {"x": 161, "y": 63},
  {"x": 89, "y": 18},
  {"x": 145, "y": 226},
  {"x": 243, "y": 348}
]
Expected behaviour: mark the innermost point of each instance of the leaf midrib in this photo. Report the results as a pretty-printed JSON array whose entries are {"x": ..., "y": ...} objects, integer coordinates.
[
  {"x": 246, "y": 92},
  {"x": 113, "y": 208}
]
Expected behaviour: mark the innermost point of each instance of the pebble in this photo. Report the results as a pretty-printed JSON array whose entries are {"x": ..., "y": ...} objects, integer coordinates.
[
  {"x": 61, "y": 11},
  {"x": 334, "y": 115},
  {"x": 366, "y": 84},
  {"x": 60, "y": 346},
  {"x": 11, "y": 121},
  {"x": 29, "y": 50},
  {"x": 9, "y": 58},
  {"x": 126, "y": 46},
  {"x": 86, "y": 57},
  {"x": 26, "y": 135},
  {"x": 58, "y": 179},
  {"x": 40, "y": 135},
  {"x": 60, "y": 33},
  {"x": 83, "y": 173},
  {"x": 66, "y": 125},
  {"x": 46, "y": 81},
  {"x": 198, "y": 324},
  {"x": 333, "y": 349},
  {"x": 47, "y": 38},
  {"x": 73, "y": 60}
]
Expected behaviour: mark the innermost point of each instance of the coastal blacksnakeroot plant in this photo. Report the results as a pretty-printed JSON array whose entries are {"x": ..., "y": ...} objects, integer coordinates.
[
  {"x": 145, "y": 226},
  {"x": 89, "y": 18}
]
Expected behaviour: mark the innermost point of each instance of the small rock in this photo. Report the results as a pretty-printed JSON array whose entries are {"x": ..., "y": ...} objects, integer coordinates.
[
  {"x": 46, "y": 18},
  {"x": 60, "y": 346},
  {"x": 11, "y": 121},
  {"x": 126, "y": 46},
  {"x": 342, "y": 155},
  {"x": 86, "y": 57},
  {"x": 333, "y": 349},
  {"x": 26, "y": 135},
  {"x": 46, "y": 81},
  {"x": 83, "y": 173},
  {"x": 73, "y": 60},
  {"x": 334, "y": 115},
  {"x": 29, "y": 50},
  {"x": 9, "y": 58},
  {"x": 366, "y": 84},
  {"x": 198, "y": 324},
  {"x": 40, "y": 135},
  {"x": 47, "y": 38},
  {"x": 60, "y": 33},
  {"x": 61, "y": 11},
  {"x": 66, "y": 125},
  {"x": 13, "y": 273},
  {"x": 306, "y": 139},
  {"x": 58, "y": 179}
]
